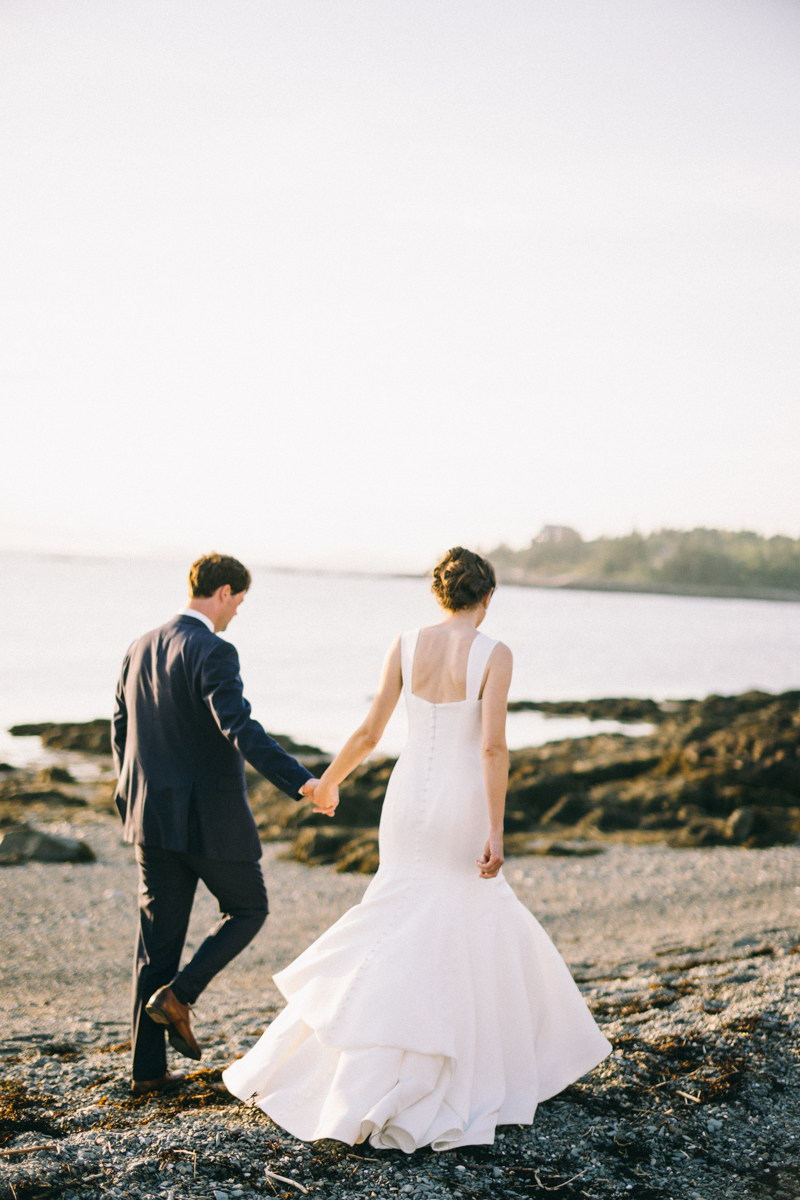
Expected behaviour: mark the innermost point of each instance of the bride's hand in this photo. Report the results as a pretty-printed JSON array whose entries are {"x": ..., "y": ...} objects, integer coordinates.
[
  {"x": 325, "y": 799},
  {"x": 492, "y": 859}
]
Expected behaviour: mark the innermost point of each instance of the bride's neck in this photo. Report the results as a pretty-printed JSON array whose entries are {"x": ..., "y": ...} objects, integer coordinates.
[{"x": 465, "y": 619}]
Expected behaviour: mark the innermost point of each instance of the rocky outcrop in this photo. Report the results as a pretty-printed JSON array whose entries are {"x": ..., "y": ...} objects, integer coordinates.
[
  {"x": 28, "y": 796},
  {"x": 625, "y": 709},
  {"x": 316, "y": 846},
  {"x": 94, "y": 737},
  {"x": 719, "y": 771},
  {"x": 523, "y": 843},
  {"x": 360, "y": 803},
  {"x": 91, "y": 737},
  {"x": 23, "y": 843},
  {"x": 55, "y": 775}
]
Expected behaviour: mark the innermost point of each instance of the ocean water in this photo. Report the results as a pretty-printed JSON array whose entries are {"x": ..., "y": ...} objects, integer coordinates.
[{"x": 311, "y": 645}]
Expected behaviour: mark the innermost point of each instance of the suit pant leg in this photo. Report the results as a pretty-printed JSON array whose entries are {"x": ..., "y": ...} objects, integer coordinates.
[
  {"x": 238, "y": 888},
  {"x": 167, "y": 884}
]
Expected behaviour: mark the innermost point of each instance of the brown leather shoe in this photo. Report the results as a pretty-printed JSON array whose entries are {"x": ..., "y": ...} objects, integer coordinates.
[
  {"x": 140, "y": 1087},
  {"x": 165, "y": 1008}
]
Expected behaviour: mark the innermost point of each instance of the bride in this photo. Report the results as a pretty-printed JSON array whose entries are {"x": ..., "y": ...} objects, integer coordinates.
[{"x": 437, "y": 1008}]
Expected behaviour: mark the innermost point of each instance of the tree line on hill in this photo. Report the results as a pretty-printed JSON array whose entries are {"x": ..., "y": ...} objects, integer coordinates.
[{"x": 694, "y": 558}]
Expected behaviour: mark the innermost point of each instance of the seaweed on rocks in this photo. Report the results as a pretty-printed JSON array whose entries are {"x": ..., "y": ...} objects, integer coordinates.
[
  {"x": 202, "y": 1089},
  {"x": 689, "y": 1106},
  {"x": 21, "y": 1111},
  {"x": 67, "y": 1051}
]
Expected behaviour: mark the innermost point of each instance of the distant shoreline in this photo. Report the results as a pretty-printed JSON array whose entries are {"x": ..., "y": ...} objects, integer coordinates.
[
  {"x": 711, "y": 591},
  {"x": 515, "y": 577},
  {"x": 586, "y": 584}
]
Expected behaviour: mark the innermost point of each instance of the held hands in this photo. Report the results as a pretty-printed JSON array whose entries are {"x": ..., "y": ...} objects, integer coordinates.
[
  {"x": 492, "y": 859},
  {"x": 325, "y": 797}
]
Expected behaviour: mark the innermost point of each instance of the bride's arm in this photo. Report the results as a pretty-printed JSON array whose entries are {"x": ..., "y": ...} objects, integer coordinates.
[
  {"x": 366, "y": 737},
  {"x": 494, "y": 754}
]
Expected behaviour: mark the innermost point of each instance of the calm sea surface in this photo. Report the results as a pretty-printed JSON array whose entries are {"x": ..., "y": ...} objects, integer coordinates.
[{"x": 311, "y": 646}]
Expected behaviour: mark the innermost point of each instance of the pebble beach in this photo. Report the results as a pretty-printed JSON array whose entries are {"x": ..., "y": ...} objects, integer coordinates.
[{"x": 689, "y": 959}]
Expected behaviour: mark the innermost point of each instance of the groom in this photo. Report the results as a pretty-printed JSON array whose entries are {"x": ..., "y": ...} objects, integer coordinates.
[{"x": 181, "y": 732}]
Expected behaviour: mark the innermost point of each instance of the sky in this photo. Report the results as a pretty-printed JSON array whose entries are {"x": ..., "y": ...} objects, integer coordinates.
[{"x": 347, "y": 282}]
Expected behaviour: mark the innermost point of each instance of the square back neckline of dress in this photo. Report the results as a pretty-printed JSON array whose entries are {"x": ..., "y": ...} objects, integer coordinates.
[{"x": 444, "y": 703}]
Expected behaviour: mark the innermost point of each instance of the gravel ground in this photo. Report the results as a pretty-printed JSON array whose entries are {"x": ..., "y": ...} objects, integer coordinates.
[{"x": 689, "y": 960}]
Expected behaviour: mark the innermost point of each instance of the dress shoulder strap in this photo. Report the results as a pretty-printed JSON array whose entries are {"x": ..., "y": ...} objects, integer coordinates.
[
  {"x": 479, "y": 653},
  {"x": 408, "y": 648}
]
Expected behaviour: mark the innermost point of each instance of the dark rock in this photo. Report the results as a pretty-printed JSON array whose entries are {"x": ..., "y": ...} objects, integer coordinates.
[
  {"x": 360, "y": 803},
  {"x": 739, "y": 825},
  {"x": 539, "y": 777},
  {"x": 91, "y": 737},
  {"x": 55, "y": 775},
  {"x": 568, "y": 810},
  {"x": 23, "y": 843},
  {"x": 317, "y": 846},
  {"x": 612, "y": 815},
  {"x": 773, "y": 825},
  {"x": 666, "y": 819},
  {"x": 360, "y": 855},
  {"x": 624, "y": 709},
  {"x": 520, "y": 844},
  {"x": 20, "y": 795},
  {"x": 349, "y": 849},
  {"x": 94, "y": 737},
  {"x": 700, "y": 831},
  {"x": 574, "y": 849}
]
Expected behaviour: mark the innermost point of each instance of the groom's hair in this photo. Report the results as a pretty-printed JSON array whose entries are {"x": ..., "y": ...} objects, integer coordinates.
[{"x": 213, "y": 571}]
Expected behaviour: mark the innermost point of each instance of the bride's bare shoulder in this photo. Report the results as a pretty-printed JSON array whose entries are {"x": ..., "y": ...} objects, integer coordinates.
[{"x": 501, "y": 656}]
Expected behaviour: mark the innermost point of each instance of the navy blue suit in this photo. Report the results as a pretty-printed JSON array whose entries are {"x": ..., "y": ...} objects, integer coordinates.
[{"x": 181, "y": 733}]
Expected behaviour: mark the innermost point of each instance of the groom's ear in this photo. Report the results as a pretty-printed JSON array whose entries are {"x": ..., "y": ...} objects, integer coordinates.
[{"x": 224, "y": 593}]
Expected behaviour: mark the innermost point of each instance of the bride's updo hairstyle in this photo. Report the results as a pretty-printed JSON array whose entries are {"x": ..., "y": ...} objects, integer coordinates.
[{"x": 462, "y": 579}]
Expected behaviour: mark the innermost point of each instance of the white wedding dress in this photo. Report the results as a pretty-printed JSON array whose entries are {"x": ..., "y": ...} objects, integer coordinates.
[{"x": 437, "y": 1008}]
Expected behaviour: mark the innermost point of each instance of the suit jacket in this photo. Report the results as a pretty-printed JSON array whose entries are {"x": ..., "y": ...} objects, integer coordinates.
[{"x": 181, "y": 732}]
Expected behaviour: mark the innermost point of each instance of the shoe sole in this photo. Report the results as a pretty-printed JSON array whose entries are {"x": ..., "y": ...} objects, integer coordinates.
[
  {"x": 181, "y": 1045},
  {"x": 175, "y": 1039}
]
